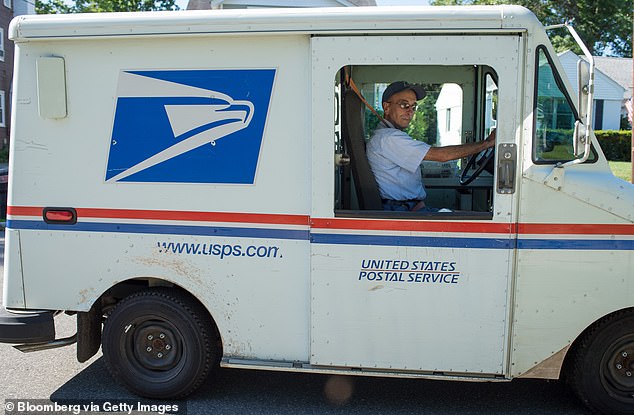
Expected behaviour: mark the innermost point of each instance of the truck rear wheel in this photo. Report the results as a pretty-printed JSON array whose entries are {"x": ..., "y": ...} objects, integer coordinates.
[
  {"x": 159, "y": 344},
  {"x": 603, "y": 366}
]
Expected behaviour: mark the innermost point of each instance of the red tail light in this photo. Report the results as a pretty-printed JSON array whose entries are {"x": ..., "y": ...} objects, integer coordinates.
[{"x": 67, "y": 216}]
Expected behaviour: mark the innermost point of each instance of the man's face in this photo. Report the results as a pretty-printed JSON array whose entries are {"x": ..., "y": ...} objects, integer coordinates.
[{"x": 395, "y": 114}]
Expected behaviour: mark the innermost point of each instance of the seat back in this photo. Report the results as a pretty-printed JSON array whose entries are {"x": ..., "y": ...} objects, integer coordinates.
[{"x": 364, "y": 181}]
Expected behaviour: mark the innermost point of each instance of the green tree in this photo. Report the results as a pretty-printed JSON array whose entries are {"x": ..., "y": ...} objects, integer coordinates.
[
  {"x": 605, "y": 25},
  {"x": 52, "y": 7},
  {"x": 96, "y": 6}
]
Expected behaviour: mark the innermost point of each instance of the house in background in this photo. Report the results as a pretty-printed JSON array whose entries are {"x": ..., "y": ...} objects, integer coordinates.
[
  {"x": 449, "y": 115},
  {"x": 621, "y": 71},
  {"x": 609, "y": 94},
  {"x": 255, "y": 4},
  {"x": 8, "y": 10}
]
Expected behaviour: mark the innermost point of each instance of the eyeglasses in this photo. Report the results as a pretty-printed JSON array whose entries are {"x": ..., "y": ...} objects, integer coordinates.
[{"x": 406, "y": 105}]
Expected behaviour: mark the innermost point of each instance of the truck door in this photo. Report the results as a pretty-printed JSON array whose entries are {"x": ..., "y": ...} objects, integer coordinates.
[{"x": 407, "y": 291}]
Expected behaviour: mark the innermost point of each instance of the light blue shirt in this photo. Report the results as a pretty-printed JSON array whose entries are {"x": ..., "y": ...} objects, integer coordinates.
[{"x": 395, "y": 160}]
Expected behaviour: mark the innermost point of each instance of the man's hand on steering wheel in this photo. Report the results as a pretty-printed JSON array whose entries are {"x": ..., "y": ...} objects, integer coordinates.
[{"x": 485, "y": 157}]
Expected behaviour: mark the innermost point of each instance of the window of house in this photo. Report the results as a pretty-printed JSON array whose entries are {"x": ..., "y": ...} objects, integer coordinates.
[
  {"x": 2, "y": 110},
  {"x": 1, "y": 45},
  {"x": 448, "y": 120}
]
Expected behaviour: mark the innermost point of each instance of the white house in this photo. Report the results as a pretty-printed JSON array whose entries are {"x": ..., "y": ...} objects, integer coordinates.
[
  {"x": 621, "y": 71},
  {"x": 608, "y": 94},
  {"x": 21, "y": 7},
  {"x": 251, "y": 4},
  {"x": 449, "y": 115},
  {"x": 449, "y": 112}
]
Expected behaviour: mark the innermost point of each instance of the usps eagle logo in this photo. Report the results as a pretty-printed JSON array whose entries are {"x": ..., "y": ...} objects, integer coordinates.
[{"x": 189, "y": 126}]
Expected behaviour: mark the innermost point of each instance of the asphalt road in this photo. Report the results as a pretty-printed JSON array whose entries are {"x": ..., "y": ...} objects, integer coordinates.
[{"x": 56, "y": 376}]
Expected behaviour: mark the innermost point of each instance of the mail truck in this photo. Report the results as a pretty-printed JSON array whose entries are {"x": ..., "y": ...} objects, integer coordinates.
[{"x": 193, "y": 186}]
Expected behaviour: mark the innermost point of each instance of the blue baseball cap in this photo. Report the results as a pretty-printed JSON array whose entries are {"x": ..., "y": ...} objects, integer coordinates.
[{"x": 398, "y": 86}]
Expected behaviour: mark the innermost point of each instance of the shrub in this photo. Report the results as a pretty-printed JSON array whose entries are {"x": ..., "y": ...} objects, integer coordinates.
[{"x": 616, "y": 145}]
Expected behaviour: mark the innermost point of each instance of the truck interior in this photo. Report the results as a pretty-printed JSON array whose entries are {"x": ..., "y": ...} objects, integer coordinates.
[{"x": 459, "y": 107}]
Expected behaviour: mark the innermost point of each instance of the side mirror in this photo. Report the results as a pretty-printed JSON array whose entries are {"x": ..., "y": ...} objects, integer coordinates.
[
  {"x": 583, "y": 87},
  {"x": 585, "y": 84}
]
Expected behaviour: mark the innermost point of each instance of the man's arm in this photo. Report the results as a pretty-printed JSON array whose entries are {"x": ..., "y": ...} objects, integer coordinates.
[{"x": 459, "y": 151}]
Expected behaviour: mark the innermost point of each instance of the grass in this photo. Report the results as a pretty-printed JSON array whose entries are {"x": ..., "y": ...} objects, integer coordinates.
[{"x": 622, "y": 169}]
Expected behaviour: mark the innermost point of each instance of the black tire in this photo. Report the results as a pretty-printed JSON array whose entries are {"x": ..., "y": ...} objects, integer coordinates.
[
  {"x": 159, "y": 343},
  {"x": 602, "y": 371}
]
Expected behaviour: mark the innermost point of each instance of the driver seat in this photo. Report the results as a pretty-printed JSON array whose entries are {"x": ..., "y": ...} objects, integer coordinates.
[{"x": 353, "y": 135}]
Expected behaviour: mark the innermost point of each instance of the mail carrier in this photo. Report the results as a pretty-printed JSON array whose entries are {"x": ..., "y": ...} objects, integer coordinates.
[{"x": 194, "y": 186}]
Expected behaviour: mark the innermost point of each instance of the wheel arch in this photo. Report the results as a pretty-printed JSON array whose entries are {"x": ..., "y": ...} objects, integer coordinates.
[
  {"x": 89, "y": 324},
  {"x": 567, "y": 363},
  {"x": 599, "y": 367}
]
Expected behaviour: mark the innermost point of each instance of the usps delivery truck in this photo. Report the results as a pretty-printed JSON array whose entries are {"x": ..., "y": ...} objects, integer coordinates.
[{"x": 194, "y": 187}]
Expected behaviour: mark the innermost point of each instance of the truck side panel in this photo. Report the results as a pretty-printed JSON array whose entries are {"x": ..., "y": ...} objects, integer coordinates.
[{"x": 238, "y": 247}]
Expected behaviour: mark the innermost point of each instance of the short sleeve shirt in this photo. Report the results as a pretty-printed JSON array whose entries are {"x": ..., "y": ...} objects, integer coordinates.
[{"x": 395, "y": 160}]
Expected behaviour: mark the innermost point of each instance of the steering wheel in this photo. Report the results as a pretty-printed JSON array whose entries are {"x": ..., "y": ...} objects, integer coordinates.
[{"x": 479, "y": 161}]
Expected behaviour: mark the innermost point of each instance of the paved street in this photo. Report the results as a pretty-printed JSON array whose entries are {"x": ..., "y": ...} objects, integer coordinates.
[{"x": 56, "y": 375}]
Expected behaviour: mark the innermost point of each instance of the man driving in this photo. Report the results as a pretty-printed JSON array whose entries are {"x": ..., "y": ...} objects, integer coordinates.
[{"x": 395, "y": 158}]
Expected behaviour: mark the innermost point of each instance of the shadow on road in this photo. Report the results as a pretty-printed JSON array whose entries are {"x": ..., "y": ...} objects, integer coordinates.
[{"x": 233, "y": 391}]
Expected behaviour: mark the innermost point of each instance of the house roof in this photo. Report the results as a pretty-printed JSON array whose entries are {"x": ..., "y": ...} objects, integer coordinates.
[
  {"x": 206, "y": 4},
  {"x": 198, "y": 5},
  {"x": 363, "y": 2},
  {"x": 619, "y": 69}
]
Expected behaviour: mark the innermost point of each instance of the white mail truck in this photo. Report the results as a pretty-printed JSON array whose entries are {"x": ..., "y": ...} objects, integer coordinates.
[{"x": 194, "y": 187}]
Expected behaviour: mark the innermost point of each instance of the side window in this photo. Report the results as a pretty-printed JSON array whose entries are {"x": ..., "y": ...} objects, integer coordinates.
[
  {"x": 1, "y": 45},
  {"x": 459, "y": 106},
  {"x": 554, "y": 115}
]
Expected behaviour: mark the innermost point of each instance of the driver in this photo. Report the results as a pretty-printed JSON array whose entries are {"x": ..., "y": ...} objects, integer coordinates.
[{"x": 395, "y": 157}]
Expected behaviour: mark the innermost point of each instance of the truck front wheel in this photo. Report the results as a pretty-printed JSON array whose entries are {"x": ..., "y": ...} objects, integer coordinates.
[
  {"x": 159, "y": 344},
  {"x": 603, "y": 365}
]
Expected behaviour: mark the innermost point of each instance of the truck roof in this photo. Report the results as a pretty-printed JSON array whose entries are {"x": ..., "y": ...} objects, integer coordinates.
[{"x": 275, "y": 21}]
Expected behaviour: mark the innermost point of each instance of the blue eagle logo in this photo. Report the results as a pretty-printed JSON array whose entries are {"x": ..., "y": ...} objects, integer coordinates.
[{"x": 189, "y": 126}]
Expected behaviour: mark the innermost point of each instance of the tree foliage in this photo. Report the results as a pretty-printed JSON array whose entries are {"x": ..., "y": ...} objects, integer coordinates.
[
  {"x": 97, "y": 6},
  {"x": 604, "y": 25}
]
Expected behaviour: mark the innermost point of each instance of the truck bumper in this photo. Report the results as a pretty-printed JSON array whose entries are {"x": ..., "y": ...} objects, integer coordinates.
[{"x": 26, "y": 327}]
